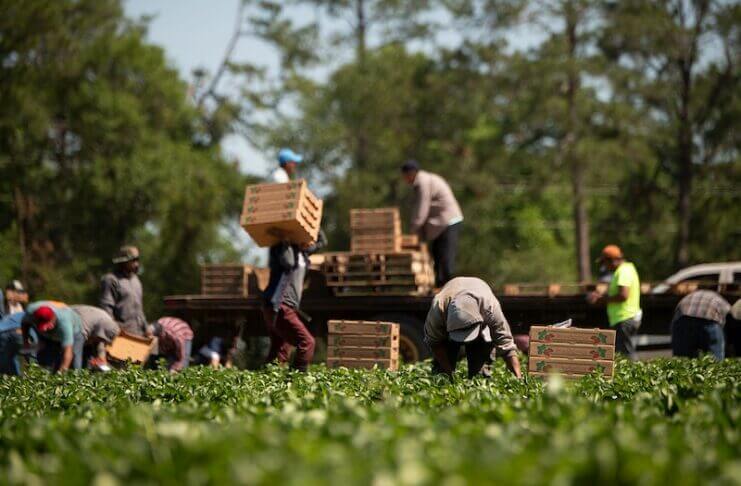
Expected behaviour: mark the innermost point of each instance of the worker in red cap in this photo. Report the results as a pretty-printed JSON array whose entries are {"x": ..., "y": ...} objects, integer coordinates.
[
  {"x": 59, "y": 331},
  {"x": 623, "y": 299}
]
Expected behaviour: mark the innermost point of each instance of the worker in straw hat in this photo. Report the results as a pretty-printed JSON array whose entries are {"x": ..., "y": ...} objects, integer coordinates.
[
  {"x": 122, "y": 294},
  {"x": 622, "y": 299}
]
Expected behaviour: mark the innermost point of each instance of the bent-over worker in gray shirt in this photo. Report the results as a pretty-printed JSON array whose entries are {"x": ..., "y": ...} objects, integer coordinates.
[{"x": 466, "y": 313}]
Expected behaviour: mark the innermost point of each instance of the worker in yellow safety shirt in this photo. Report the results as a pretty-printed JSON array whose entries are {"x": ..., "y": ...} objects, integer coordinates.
[{"x": 622, "y": 298}]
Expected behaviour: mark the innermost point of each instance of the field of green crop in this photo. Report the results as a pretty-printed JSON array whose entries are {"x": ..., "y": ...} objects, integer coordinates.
[{"x": 668, "y": 422}]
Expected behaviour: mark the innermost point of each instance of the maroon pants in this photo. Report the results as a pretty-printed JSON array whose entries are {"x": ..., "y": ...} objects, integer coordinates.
[{"x": 286, "y": 330}]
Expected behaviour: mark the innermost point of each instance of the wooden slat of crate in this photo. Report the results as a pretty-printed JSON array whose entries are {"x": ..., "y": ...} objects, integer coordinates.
[
  {"x": 279, "y": 187},
  {"x": 576, "y": 351},
  {"x": 388, "y": 364},
  {"x": 572, "y": 335},
  {"x": 363, "y": 352},
  {"x": 359, "y": 340},
  {"x": 363, "y": 328},
  {"x": 545, "y": 376},
  {"x": 410, "y": 241},
  {"x": 570, "y": 366},
  {"x": 279, "y": 217},
  {"x": 126, "y": 347},
  {"x": 380, "y": 280}
]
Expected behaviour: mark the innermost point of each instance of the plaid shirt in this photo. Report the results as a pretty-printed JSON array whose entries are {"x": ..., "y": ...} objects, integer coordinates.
[
  {"x": 175, "y": 332},
  {"x": 704, "y": 304}
]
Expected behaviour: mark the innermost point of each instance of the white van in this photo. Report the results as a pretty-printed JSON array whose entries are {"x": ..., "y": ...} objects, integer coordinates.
[{"x": 718, "y": 273}]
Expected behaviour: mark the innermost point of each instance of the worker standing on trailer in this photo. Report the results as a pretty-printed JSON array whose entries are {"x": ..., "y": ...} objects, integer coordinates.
[
  {"x": 282, "y": 298},
  {"x": 623, "y": 299},
  {"x": 99, "y": 330},
  {"x": 466, "y": 313},
  {"x": 436, "y": 218},
  {"x": 59, "y": 331},
  {"x": 287, "y": 160},
  {"x": 122, "y": 294},
  {"x": 698, "y": 325}
]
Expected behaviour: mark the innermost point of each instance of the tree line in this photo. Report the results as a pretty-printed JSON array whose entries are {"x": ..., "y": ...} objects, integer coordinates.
[{"x": 561, "y": 125}]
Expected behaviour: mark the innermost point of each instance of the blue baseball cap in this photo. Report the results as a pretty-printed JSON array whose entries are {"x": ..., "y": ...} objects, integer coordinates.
[{"x": 287, "y": 155}]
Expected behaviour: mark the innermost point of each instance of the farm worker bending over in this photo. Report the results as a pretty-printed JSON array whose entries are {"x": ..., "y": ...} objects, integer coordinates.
[
  {"x": 466, "y": 313},
  {"x": 174, "y": 340},
  {"x": 436, "y": 217},
  {"x": 698, "y": 324},
  {"x": 282, "y": 299},
  {"x": 288, "y": 160},
  {"x": 98, "y": 329},
  {"x": 623, "y": 299},
  {"x": 11, "y": 342},
  {"x": 59, "y": 330},
  {"x": 122, "y": 295}
]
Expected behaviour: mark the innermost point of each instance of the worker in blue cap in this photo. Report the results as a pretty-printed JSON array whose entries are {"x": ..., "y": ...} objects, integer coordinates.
[{"x": 288, "y": 160}]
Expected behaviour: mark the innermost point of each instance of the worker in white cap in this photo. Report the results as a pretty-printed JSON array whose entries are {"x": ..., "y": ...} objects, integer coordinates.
[{"x": 466, "y": 313}]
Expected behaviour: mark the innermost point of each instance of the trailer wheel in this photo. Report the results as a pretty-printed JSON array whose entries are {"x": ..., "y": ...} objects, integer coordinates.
[{"x": 412, "y": 346}]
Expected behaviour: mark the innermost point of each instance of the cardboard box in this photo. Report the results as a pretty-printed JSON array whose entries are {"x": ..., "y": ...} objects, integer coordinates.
[
  {"x": 363, "y": 328},
  {"x": 272, "y": 213},
  {"x": 572, "y": 335},
  {"x": 576, "y": 351},
  {"x": 570, "y": 366},
  {"x": 388, "y": 364},
  {"x": 127, "y": 347}
]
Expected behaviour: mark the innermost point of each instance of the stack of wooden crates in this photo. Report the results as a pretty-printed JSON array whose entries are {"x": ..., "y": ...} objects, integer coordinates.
[
  {"x": 233, "y": 279},
  {"x": 375, "y": 230},
  {"x": 571, "y": 352},
  {"x": 363, "y": 344},
  {"x": 285, "y": 211},
  {"x": 382, "y": 261}
]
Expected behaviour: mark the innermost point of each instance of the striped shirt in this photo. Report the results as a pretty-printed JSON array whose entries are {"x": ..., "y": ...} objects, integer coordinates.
[
  {"x": 171, "y": 340},
  {"x": 704, "y": 304}
]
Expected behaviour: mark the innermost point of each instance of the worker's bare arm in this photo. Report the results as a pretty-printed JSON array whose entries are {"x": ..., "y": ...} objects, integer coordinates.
[
  {"x": 599, "y": 298},
  {"x": 513, "y": 364},
  {"x": 67, "y": 355}
]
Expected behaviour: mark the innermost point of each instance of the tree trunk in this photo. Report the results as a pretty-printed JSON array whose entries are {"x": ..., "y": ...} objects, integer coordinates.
[
  {"x": 581, "y": 218},
  {"x": 685, "y": 172},
  {"x": 20, "y": 215},
  {"x": 361, "y": 137}
]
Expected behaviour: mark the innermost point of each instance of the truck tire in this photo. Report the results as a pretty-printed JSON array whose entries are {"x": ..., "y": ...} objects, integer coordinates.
[{"x": 412, "y": 346}]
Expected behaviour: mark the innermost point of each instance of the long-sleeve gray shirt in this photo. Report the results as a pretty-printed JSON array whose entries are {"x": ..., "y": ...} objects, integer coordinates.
[
  {"x": 122, "y": 298},
  {"x": 436, "y": 326},
  {"x": 435, "y": 206}
]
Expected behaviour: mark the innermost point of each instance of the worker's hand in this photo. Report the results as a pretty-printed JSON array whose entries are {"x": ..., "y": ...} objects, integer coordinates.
[{"x": 594, "y": 297}]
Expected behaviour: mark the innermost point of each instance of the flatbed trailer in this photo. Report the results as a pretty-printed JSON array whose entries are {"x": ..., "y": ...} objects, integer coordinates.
[{"x": 410, "y": 311}]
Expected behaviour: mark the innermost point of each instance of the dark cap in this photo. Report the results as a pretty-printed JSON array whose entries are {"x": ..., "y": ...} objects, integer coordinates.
[{"x": 410, "y": 165}]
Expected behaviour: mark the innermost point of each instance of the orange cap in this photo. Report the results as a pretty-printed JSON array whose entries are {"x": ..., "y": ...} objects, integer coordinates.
[{"x": 611, "y": 252}]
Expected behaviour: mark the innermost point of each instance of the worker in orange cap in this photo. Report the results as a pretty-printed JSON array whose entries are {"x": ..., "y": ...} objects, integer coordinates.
[{"x": 622, "y": 298}]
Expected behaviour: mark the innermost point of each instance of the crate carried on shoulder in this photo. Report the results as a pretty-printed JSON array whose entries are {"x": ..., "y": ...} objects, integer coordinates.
[
  {"x": 363, "y": 344},
  {"x": 572, "y": 352},
  {"x": 284, "y": 211}
]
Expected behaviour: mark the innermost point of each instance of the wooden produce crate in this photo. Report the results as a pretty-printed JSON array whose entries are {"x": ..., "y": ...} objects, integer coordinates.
[
  {"x": 233, "y": 279},
  {"x": 272, "y": 213},
  {"x": 375, "y": 230},
  {"x": 363, "y": 344},
  {"x": 127, "y": 347},
  {"x": 571, "y": 351}
]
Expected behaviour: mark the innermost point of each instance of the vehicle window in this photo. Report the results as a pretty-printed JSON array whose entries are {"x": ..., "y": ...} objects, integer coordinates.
[
  {"x": 736, "y": 277},
  {"x": 708, "y": 277}
]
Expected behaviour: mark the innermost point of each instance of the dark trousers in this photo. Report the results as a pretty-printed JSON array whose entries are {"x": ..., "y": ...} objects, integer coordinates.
[
  {"x": 478, "y": 353},
  {"x": 444, "y": 249},
  {"x": 11, "y": 343},
  {"x": 625, "y": 331},
  {"x": 286, "y": 330},
  {"x": 50, "y": 352},
  {"x": 692, "y": 335}
]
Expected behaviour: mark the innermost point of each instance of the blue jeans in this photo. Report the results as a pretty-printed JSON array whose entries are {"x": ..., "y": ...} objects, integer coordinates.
[
  {"x": 10, "y": 343},
  {"x": 50, "y": 352},
  {"x": 692, "y": 335}
]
